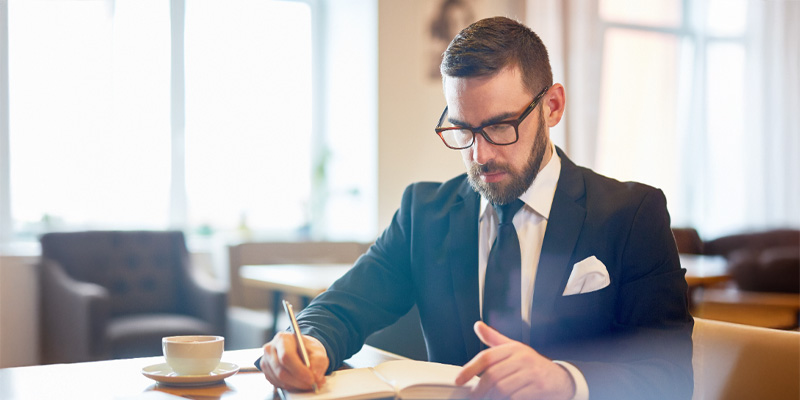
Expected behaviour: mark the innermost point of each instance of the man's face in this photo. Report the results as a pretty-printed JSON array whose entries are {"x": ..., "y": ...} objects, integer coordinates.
[{"x": 499, "y": 173}]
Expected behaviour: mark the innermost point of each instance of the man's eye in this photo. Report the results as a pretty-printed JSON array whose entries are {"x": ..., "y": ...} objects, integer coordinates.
[{"x": 498, "y": 128}]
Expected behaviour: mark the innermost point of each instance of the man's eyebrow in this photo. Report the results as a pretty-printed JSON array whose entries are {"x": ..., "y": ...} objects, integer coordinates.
[{"x": 507, "y": 116}]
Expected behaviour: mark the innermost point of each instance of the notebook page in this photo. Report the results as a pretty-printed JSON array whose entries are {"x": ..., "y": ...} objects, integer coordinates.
[
  {"x": 405, "y": 373},
  {"x": 351, "y": 384}
]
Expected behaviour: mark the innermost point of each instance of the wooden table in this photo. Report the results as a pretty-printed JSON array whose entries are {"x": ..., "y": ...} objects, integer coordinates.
[
  {"x": 304, "y": 280},
  {"x": 122, "y": 379},
  {"x": 765, "y": 309},
  {"x": 309, "y": 280},
  {"x": 702, "y": 271}
]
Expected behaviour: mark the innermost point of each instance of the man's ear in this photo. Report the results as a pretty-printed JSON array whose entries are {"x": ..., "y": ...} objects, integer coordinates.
[{"x": 553, "y": 105}]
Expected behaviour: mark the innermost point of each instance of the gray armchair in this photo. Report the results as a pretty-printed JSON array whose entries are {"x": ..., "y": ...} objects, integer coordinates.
[{"x": 115, "y": 294}]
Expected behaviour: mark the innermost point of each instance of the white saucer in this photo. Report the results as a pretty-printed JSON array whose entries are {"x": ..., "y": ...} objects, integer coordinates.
[{"x": 162, "y": 373}]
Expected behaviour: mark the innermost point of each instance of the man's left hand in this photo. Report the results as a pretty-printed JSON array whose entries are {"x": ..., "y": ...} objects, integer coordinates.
[{"x": 513, "y": 370}]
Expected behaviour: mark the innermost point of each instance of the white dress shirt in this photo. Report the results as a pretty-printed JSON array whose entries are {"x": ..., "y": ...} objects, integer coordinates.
[{"x": 530, "y": 223}]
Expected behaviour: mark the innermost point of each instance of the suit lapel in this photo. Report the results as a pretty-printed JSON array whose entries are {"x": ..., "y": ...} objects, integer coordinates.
[
  {"x": 563, "y": 228},
  {"x": 462, "y": 254}
]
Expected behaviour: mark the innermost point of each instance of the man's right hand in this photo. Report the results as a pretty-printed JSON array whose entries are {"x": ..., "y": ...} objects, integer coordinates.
[{"x": 283, "y": 365}]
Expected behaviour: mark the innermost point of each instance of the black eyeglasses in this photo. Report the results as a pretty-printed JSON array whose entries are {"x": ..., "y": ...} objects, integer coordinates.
[{"x": 498, "y": 133}]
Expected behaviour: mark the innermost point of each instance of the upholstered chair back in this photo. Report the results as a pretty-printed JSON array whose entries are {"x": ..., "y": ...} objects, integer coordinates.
[
  {"x": 142, "y": 270},
  {"x": 755, "y": 241},
  {"x": 688, "y": 240}
]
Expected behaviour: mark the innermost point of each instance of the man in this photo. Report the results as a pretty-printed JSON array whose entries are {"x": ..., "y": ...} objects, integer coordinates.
[{"x": 597, "y": 284}]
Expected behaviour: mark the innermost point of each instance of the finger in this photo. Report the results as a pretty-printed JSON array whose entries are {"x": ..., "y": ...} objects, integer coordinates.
[
  {"x": 466, "y": 374},
  {"x": 291, "y": 359},
  {"x": 286, "y": 364},
  {"x": 524, "y": 374},
  {"x": 318, "y": 357},
  {"x": 500, "y": 381},
  {"x": 272, "y": 369},
  {"x": 266, "y": 368},
  {"x": 481, "y": 390},
  {"x": 482, "y": 361},
  {"x": 488, "y": 335},
  {"x": 472, "y": 368},
  {"x": 491, "y": 376}
]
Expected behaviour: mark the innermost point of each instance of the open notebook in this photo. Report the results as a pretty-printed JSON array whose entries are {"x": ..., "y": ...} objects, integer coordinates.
[{"x": 403, "y": 379}]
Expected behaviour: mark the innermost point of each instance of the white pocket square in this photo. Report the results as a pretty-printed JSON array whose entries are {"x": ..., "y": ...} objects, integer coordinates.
[{"x": 587, "y": 276}]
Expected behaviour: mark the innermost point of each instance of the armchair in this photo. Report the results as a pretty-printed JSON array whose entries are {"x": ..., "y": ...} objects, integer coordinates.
[
  {"x": 767, "y": 261},
  {"x": 688, "y": 240},
  {"x": 765, "y": 271},
  {"x": 115, "y": 294}
]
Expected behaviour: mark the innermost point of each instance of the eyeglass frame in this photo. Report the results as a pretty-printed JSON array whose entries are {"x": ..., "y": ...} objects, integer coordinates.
[{"x": 480, "y": 129}]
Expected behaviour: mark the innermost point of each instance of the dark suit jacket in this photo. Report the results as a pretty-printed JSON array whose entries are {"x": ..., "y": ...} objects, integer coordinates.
[{"x": 631, "y": 339}]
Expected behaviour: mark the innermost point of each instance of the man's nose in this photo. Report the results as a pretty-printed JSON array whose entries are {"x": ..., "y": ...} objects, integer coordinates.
[{"x": 482, "y": 150}]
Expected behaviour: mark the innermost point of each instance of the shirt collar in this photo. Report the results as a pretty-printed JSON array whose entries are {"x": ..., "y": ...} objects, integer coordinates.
[{"x": 539, "y": 195}]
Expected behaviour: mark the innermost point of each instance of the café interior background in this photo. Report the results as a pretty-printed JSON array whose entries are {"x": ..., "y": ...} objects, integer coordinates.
[{"x": 291, "y": 120}]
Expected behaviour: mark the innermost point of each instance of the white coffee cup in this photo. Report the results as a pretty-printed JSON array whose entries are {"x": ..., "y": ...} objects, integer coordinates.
[{"x": 193, "y": 355}]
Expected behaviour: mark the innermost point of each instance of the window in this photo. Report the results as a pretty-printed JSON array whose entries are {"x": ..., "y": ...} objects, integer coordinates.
[
  {"x": 248, "y": 114},
  {"x": 89, "y": 114},
  {"x": 195, "y": 115},
  {"x": 673, "y": 102}
]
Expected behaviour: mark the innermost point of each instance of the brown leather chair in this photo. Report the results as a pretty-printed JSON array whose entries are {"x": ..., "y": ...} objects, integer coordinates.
[
  {"x": 767, "y": 261},
  {"x": 765, "y": 271},
  {"x": 755, "y": 241},
  {"x": 115, "y": 294},
  {"x": 688, "y": 240},
  {"x": 774, "y": 269}
]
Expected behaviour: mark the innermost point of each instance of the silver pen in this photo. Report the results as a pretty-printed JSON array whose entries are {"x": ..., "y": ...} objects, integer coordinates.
[{"x": 296, "y": 329}]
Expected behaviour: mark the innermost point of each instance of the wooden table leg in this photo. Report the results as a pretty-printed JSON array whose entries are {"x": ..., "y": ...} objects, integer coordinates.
[{"x": 277, "y": 308}]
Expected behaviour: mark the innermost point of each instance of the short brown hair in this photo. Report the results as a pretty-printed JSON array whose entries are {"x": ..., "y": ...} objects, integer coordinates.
[{"x": 491, "y": 44}]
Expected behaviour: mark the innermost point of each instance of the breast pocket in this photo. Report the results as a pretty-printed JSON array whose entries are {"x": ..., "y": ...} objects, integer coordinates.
[{"x": 585, "y": 314}]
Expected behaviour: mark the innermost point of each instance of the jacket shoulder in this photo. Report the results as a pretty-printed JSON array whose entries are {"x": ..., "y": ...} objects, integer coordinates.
[
  {"x": 601, "y": 184},
  {"x": 584, "y": 184},
  {"x": 451, "y": 191}
]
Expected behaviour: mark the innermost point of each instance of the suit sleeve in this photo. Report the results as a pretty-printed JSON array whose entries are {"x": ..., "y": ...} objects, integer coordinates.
[
  {"x": 649, "y": 356},
  {"x": 372, "y": 295}
]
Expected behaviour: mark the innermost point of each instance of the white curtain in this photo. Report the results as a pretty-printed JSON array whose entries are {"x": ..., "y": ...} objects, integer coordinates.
[
  {"x": 724, "y": 182},
  {"x": 751, "y": 180},
  {"x": 774, "y": 123},
  {"x": 570, "y": 30}
]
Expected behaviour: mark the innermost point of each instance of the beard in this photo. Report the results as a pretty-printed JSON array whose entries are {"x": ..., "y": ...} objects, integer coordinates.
[{"x": 506, "y": 192}]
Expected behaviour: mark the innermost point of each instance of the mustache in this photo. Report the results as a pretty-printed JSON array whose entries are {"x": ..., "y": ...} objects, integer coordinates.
[{"x": 488, "y": 168}]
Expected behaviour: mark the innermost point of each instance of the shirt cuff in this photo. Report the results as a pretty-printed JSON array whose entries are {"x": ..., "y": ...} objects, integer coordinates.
[{"x": 581, "y": 387}]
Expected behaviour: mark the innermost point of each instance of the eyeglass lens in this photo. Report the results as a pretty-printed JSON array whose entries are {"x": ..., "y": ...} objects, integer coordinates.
[{"x": 498, "y": 134}]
